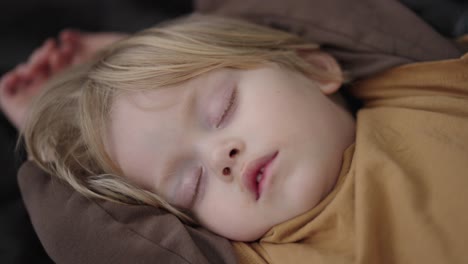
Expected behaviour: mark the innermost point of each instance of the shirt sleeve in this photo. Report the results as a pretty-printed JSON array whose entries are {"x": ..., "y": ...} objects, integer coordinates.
[{"x": 440, "y": 86}]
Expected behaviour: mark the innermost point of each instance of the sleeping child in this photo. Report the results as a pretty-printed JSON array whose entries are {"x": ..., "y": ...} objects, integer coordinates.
[{"x": 243, "y": 130}]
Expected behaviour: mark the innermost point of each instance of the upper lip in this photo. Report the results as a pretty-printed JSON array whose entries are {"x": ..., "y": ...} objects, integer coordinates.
[{"x": 249, "y": 174}]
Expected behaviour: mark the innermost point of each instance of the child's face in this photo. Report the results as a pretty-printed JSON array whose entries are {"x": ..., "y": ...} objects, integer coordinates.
[{"x": 164, "y": 139}]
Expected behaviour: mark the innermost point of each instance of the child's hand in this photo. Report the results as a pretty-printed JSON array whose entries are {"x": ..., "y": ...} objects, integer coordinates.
[{"x": 19, "y": 86}]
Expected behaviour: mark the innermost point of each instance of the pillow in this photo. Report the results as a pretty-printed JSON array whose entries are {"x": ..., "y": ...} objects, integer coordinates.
[
  {"x": 365, "y": 36},
  {"x": 75, "y": 229}
]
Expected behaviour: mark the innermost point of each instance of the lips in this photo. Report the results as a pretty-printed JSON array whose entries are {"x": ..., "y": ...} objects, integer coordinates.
[{"x": 252, "y": 171}]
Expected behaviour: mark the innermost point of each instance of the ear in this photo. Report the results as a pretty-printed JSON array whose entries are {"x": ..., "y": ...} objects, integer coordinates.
[{"x": 326, "y": 63}]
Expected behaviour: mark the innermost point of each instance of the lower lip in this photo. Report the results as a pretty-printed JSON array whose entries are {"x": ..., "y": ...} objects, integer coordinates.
[{"x": 266, "y": 177}]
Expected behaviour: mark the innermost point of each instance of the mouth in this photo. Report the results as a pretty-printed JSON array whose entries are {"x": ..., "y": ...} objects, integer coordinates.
[{"x": 256, "y": 173}]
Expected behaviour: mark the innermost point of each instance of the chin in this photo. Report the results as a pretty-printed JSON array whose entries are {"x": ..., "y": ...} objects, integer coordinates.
[{"x": 244, "y": 235}]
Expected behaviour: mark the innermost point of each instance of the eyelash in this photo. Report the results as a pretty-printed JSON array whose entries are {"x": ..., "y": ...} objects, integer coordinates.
[
  {"x": 228, "y": 109},
  {"x": 197, "y": 186}
]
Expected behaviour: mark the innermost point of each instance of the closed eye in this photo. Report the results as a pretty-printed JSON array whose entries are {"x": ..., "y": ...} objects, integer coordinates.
[
  {"x": 189, "y": 188},
  {"x": 196, "y": 187},
  {"x": 228, "y": 109}
]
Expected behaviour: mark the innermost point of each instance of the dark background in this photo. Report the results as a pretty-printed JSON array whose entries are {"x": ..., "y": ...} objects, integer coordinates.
[
  {"x": 449, "y": 17},
  {"x": 25, "y": 24}
]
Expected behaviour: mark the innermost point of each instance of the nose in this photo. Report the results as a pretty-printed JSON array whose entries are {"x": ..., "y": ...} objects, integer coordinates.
[{"x": 225, "y": 157}]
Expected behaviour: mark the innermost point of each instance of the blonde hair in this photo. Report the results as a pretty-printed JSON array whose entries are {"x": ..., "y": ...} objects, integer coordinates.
[{"x": 66, "y": 128}]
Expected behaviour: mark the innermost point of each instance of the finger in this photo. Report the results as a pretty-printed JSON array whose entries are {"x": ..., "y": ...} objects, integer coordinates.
[
  {"x": 6, "y": 78},
  {"x": 67, "y": 52},
  {"x": 39, "y": 69},
  {"x": 8, "y": 83},
  {"x": 26, "y": 73},
  {"x": 23, "y": 70},
  {"x": 57, "y": 63},
  {"x": 70, "y": 37},
  {"x": 39, "y": 54},
  {"x": 65, "y": 57},
  {"x": 72, "y": 43},
  {"x": 69, "y": 34},
  {"x": 40, "y": 61}
]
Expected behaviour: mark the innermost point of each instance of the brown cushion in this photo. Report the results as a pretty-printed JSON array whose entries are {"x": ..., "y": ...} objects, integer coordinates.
[
  {"x": 366, "y": 36},
  {"x": 74, "y": 229}
]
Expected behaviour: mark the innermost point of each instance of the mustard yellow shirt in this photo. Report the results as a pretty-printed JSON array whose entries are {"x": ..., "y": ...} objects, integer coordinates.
[{"x": 402, "y": 196}]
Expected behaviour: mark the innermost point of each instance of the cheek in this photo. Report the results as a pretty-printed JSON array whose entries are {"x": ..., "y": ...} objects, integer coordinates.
[
  {"x": 224, "y": 212},
  {"x": 304, "y": 188}
]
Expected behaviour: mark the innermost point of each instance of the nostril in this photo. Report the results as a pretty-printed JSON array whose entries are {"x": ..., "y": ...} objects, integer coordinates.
[
  {"x": 226, "y": 171},
  {"x": 233, "y": 152}
]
